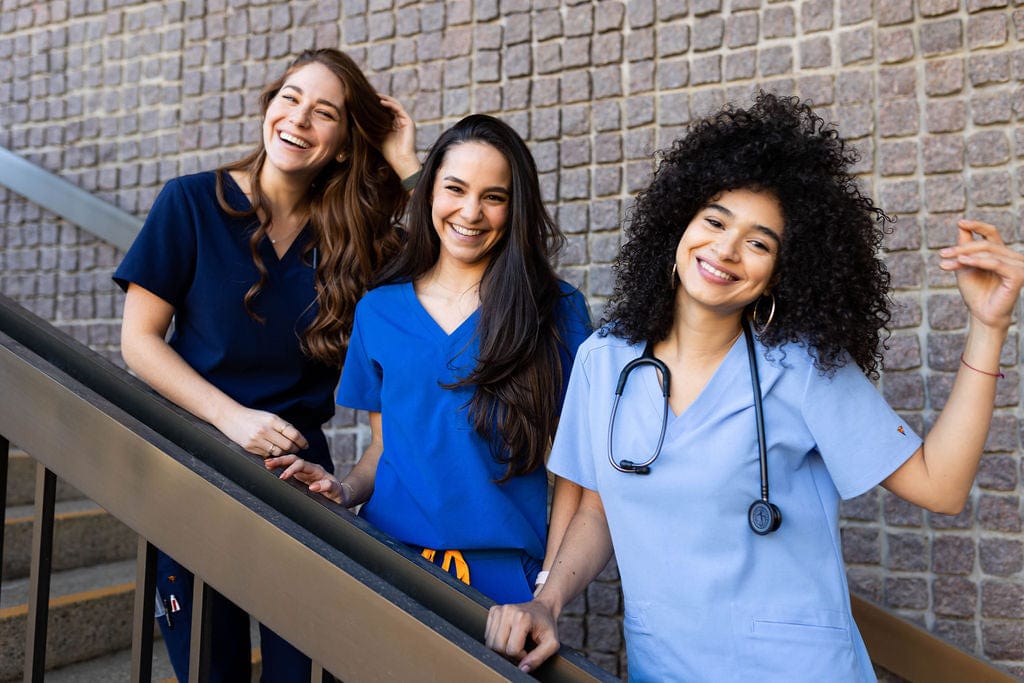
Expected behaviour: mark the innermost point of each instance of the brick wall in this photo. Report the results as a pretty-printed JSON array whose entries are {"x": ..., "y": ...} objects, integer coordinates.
[{"x": 118, "y": 97}]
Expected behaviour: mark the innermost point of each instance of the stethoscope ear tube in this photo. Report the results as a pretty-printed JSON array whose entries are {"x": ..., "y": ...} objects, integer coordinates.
[{"x": 647, "y": 358}]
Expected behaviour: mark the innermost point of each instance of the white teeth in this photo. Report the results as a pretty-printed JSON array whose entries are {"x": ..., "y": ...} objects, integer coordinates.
[
  {"x": 462, "y": 230},
  {"x": 294, "y": 140},
  {"x": 715, "y": 271}
]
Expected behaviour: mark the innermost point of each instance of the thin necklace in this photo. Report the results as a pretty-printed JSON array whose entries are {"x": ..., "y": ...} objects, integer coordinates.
[{"x": 293, "y": 232}]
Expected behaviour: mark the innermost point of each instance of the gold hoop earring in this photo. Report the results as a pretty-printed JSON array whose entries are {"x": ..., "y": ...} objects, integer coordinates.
[
  {"x": 761, "y": 328},
  {"x": 673, "y": 277}
]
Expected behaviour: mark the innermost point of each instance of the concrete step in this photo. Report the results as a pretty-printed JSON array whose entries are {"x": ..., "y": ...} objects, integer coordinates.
[
  {"x": 89, "y": 629},
  {"x": 84, "y": 534},
  {"x": 90, "y": 616},
  {"x": 113, "y": 667},
  {"x": 21, "y": 481}
]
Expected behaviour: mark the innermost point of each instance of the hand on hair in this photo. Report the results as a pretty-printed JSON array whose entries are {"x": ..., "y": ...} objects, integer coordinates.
[
  {"x": 989, "y": 274},
  {"x": 399, "y": 147}
]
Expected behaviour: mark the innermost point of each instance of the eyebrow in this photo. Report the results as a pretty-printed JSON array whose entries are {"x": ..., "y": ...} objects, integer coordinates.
[
  {"x": 297, "y": 89},
  {"x": 757, "y": 226},
  {"x": 460, "y": 181}
]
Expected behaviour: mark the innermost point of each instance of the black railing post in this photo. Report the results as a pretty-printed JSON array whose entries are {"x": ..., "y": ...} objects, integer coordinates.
[
  {"x": 5, "y": 463},
  {"x": 202, "y": 632},
  {"x": 142, "y": 628},
  {"x": 39, "y": 576}
]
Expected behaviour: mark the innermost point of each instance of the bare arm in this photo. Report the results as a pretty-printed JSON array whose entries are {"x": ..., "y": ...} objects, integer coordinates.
[
  {"x": 564, "y": 503},
  {"x": 143, "y": 346},
  {"x": 585, "y": 550},
  {"x": 399, "y": 147},
  {"x": 354, "y": 489},
  {"x": 939, "y": 475}
]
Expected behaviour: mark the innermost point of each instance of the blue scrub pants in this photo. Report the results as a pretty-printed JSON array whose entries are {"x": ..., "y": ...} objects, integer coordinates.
[
  {"x": 231, "y": 648},
  {"x": 230, "y": 660},
  {"x": 505, "y": 576}
]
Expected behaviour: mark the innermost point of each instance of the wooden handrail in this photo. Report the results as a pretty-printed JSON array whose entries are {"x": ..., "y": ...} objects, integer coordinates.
[{"x": 913, "y": 653}]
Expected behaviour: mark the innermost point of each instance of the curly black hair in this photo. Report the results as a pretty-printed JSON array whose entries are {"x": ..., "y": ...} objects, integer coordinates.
[{"x": 829, "y": 285}]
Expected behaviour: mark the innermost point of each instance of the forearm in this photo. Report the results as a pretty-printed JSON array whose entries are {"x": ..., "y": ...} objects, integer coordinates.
[
  {"x": 584, "y": 551},
  {"x": 953, "y": 447},
  {"x": 358, "y": 485},
  {"x": 161, "y": 367},
  {"x": 564, "y": 503}
]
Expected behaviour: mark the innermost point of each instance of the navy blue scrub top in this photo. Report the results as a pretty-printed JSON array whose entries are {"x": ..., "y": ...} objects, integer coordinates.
[{"x": 193, "y": 255}]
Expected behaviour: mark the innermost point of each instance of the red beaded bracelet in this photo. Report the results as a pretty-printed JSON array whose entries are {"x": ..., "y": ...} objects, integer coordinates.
[{"x": 990, "y": 374}]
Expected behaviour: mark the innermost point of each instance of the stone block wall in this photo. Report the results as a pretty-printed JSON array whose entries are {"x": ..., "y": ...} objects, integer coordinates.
[{"x": 120, "y": 96}]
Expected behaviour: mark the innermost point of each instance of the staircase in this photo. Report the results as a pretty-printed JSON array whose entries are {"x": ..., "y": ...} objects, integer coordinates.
[{"x": 91, "y": 590}]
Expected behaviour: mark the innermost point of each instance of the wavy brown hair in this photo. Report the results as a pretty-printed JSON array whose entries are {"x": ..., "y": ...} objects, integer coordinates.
[
  {"x": 353, "y": 207},
  {"x": 517, "y": 380}
]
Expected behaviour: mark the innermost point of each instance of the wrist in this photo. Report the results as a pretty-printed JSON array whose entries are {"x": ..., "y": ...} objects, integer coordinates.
[
  {"x": 542, "y": 577},
  {"x": 410, "y": 179},
  {"x": 347, "y": 494}
]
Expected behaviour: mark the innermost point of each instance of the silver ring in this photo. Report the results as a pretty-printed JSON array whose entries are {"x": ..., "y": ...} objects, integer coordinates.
[{"x": 272, "y": 449}]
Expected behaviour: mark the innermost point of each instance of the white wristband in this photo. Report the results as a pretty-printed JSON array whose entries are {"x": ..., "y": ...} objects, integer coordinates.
[{"x": 542, "y": 576}]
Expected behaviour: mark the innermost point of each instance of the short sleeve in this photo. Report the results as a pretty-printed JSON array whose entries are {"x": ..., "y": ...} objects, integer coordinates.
[
  {"x": 163, "y": 257},
  {"x": 572, "y": 453},
  {"x": 858, "y": 435},
  {"x": 361, "y": 376}
]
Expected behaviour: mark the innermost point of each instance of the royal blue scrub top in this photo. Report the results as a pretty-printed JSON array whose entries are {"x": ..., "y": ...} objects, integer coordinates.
[
  {"x": 436, "y": 479},
  {"x": 196, "y": 257}
]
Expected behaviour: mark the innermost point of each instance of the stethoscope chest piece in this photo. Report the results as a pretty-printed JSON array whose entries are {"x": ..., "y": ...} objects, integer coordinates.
[{"x": 764, "y": 517}]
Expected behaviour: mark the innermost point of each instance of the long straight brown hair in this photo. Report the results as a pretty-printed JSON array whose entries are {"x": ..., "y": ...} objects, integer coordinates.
[
  {"x": 517, "y": 380},
  {"x": 353, "y": 207}
]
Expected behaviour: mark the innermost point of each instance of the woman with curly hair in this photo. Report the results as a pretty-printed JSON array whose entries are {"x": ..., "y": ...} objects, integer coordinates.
[
  {"x": 461, "y": 357},
  {"x": 750, "y": 293},
  {"x": 260, "y": 263}
]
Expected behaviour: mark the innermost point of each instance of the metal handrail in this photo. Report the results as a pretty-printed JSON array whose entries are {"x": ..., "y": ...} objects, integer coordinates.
[
  {"x": 68, "y": 201},
  {"x": 128, "y": 433}
]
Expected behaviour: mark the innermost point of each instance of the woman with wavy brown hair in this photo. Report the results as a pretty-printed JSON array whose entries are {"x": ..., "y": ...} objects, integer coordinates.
[{"x": 260, "y": 264}]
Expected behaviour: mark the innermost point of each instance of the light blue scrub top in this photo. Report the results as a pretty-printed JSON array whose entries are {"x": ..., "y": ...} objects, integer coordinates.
[{"x": 706, "y": 599}]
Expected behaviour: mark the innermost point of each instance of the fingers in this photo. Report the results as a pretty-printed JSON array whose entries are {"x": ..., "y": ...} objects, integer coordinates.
[
  {"x": 281, "y": 438},
  {"x": 498, "y": 632},
  {"x": 508, "y": 627},
  {"x": 281, "y": 461},
  {"x": 394, "y": 105},
  {"x": 328, "y": 487},
  {"x": 989, "y": 252}
]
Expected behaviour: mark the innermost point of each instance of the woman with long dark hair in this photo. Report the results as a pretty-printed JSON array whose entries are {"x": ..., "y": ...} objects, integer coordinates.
[
  {"x": 461, "y": 357},
  {"x": 260, "y": 264},
  {"x": 724, "y": 410}
]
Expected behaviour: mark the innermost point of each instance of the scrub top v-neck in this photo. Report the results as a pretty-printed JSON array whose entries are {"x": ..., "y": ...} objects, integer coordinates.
[
  {"x": 436, "y": 479},
  {"x": 707, "y": 599},
  {"x": 196, "y": 257}
]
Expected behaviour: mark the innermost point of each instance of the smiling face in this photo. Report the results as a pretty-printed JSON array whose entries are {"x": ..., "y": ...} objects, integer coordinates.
[
  {"x": 470, "y": 202},
  {"x": 727, "y": 255},
  {"x": 305, "y": 125}
]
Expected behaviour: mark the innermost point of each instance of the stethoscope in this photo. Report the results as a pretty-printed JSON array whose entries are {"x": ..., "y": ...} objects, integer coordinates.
[{"x": 763, "y": 515}]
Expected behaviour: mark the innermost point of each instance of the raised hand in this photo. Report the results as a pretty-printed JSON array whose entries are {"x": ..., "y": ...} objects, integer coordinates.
[{"x": 989, "y": 274}]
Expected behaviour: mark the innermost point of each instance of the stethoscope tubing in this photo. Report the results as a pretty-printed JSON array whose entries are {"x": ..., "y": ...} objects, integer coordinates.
[{"x": 764, "y": 517}]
